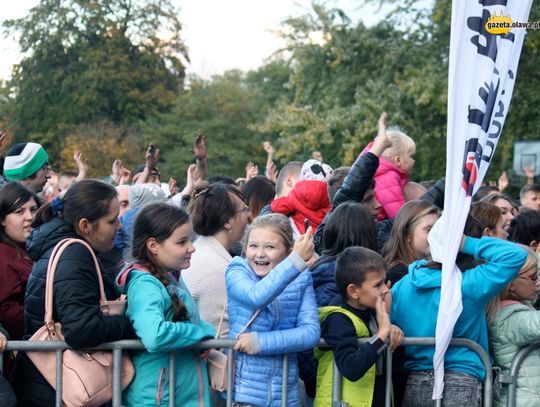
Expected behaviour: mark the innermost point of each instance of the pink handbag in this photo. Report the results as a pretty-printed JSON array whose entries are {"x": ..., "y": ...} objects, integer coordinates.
[
  {"x": 86, "y": 376},
  {"x": 216, "y": 360}
]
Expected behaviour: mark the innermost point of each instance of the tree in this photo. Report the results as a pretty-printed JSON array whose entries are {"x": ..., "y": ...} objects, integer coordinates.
[
  {"x": 93, "y": 60},
  {"x": 224, "y": 110}
]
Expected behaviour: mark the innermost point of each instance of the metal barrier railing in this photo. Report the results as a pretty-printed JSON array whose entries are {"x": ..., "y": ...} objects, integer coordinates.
[
  {"x": 419, "y": 341},
  {"x": 119, "y": 346},
  {"x": 510, "y": 377}
]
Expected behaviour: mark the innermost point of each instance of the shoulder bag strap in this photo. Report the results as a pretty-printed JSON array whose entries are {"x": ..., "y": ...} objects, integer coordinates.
[
  {"x": 218, "y": 332},
  {"x": 255, "y": 314},
  {"x": 51, "y": 270}
]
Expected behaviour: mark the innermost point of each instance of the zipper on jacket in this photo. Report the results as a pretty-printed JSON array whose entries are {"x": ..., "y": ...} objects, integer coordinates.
[{"x": 161, "y": 385}]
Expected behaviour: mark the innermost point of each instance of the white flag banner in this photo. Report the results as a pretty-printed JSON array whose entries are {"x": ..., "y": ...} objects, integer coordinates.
[{"x": 481, "y": 76}]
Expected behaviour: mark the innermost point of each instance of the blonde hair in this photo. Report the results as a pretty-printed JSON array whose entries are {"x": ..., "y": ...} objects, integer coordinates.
[
  {"x": 401, "y": 144},
  {"x": 495, "y": 304},
  {"x": 280, "y": 224}
]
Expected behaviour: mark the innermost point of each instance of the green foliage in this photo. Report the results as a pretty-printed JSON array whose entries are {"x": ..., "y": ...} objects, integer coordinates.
[
  {"x": 224, "y": 110},
  {"x": 93, "y": 60}
]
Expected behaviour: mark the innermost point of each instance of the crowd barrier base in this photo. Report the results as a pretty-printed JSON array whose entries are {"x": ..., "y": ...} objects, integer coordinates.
[{"x": 508, "y": 378}]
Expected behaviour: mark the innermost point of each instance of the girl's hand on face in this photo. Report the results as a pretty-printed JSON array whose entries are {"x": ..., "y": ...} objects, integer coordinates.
[
  {"x": 304, "y": 245},
  {"x": 396, "y": 337},
  {"x": 3, "y": 342},
  {"x": 244, "y": 344}
]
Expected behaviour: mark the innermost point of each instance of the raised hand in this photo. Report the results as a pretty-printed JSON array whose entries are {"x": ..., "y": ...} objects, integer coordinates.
[
  {"x": 268, "y": 148},
  {"x": 151, "y": 156},
  {"x": 381, "y": 142},
  {"x": 82, "y": 165},
  {"x": 190, "y": 180},
  {"x": 199, "y": 148},
  {"x": 125, "y": 174},
  {"x": 271, "y": 172},
  {"x": 529, "y": 173},
  {"x": 251, "y": 171},
  {"x": 503, "y": 181},
  {"x": 304, "y": 245},
  {"x": 173, "y": 187}
]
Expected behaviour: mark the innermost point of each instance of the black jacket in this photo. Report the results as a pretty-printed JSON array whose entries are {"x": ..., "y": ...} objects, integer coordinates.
[
  {"x": 76, "y": 306},
  {"x": 354, "y": 187},
  {"x": 76, "y": 291}
]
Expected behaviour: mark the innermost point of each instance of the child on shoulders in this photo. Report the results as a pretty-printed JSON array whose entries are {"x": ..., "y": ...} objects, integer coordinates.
[{"x": 395, "y": 167}]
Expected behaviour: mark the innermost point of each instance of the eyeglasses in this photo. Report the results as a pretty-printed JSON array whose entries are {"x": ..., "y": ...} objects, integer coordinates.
[{"x": 245, "y": 209}]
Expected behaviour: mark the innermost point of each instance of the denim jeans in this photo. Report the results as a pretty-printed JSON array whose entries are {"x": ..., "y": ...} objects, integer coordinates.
[{"x": 460, "y": 390}]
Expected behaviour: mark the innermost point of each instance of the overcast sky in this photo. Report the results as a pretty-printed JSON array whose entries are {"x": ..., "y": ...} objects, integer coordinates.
[{"x": 220, "y": 34}]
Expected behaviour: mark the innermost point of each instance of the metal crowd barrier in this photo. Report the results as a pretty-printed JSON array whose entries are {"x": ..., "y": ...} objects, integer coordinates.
[
  {"x": 510, "y": 378},
  {"x": 119, "y": 346}
]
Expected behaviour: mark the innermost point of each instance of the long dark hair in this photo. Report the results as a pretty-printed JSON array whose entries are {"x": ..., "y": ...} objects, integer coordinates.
[
  {"x": 87, "y": 199},
  {"x": 350, "y": 224},
  {"x": 258, "y": 192},
  {"x": 159, "y": 221},
  {"x": 13, "y": 195},
  {"x": 213, "y": 207}
]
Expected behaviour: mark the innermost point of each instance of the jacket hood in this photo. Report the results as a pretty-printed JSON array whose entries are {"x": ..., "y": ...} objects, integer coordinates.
[
  {"x": 46, "y": 236},
  {"x": 130, "y": 271},
  {"x": 424, "y": 278}
]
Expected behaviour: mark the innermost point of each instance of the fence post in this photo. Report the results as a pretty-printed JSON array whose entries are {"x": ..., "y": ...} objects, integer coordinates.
[
  {"x": 230, "y": 375},
  {"x": 514, "y": 370},
  {"x": 388, "y": 381},
  {"x": 117, "y": 377},
  {"x": 59, "y": 371},
  {"x": 336, "y": 386},
  {"x": 172, "y": 375}
]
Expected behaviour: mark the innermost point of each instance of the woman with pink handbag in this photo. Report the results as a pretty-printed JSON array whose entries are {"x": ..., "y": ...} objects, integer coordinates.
[
  {"x": 163, "y": 313},
  {"x": 88, "y": 211}
]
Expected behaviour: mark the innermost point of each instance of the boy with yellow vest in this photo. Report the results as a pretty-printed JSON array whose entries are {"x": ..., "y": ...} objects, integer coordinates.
[{"x": 360, "y": 275}]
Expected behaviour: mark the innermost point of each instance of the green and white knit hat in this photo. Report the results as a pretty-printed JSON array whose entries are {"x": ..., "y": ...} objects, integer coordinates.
[{"x": 23, "y": 160}]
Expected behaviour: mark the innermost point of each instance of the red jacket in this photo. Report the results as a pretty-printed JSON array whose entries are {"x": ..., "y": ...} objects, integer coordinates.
[
  {"x": 15, "y": 268},
  {"x": 308, "y": 199}
]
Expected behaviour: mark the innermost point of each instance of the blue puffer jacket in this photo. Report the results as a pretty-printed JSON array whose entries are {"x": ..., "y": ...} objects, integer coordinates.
[
  {"x": 150, "y": 311},
  {"x": 288, "y": 323}
]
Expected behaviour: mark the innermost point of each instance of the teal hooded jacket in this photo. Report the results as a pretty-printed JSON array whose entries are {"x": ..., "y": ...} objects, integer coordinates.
[
  {"x": 150, "y": 311},
  {"x": 416, "y": 297}
]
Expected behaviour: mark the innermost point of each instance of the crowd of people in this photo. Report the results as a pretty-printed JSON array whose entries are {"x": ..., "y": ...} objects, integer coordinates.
[{"x": 276, "y": 261}]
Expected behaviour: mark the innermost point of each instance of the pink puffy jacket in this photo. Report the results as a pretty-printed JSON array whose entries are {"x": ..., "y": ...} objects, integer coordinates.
[{"x": 389, "y": 182}]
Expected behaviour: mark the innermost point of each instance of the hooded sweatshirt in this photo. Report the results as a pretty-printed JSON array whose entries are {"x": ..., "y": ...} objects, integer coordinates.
[{"x": 416, "y": 297}]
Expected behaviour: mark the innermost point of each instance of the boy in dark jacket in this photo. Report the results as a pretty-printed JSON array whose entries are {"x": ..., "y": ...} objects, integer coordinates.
[{"x": 360, "y": 276}]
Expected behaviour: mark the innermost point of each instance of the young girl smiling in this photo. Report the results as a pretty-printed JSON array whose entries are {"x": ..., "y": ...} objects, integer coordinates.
[{"x": 271, "y": 280}]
